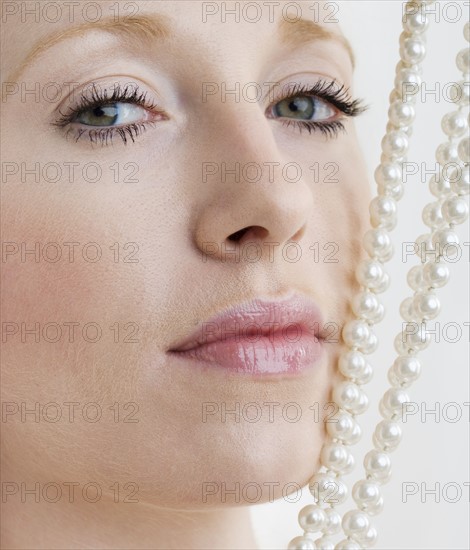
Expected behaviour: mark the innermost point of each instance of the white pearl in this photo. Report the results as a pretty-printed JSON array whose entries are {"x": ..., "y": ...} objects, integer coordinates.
[
  {"x": 327, "y": 489},
  {"x": 454, "y": 124},
  {"x": 369, "y": 538},
  {"x": 347, "y": 544},
  {"x": 394, "y": 191},
  {"x": 365, "y": 493},
  {"x": 463, "y": 60},
  {"x": 346, "y": 393},
  {"x": 405, "y": 91},
  {"x": 333, "y": 522},
  {"x": 383, "y": 284},
  {"x": 435, "y": 274},
  {"x": 312, "y": 518},
  {"x": 362, "y": 404},
  {"x": 352, "y": 364},
  {"x": 395, "y": 144},
  {"x": 374, "y": 510},
  {"x": 408, "y": 73},
  {"x": 460, "y": 180},
  {"x": 443, "y": 237},
  {"x": 335, "y": 457},
  {"x": 426, "y": 305},
  {"x": 391, "y": 404},
  {"x": 364, "y": 304},
  {"x": 424, "y": 246},
  {"x": 447, "y": 153},
  {"x": 349, "y": 467},
  {"x": 455, "y": 210},
  {"x": 413, "y": 50},
  {"x": 377, "y": 242},
  {"x": 340, "y": 426},
  {"x": 377, "y": 465},
  {"x": 371, "y": 343},
  {"x": 355, "y": 435},
  {"x": 466, "y": 31},
  {"x": 355, "y": 523},
  {"x": 408, "y": 130},
  {"x": 461, "y": 93},
  {"x": 383, "y": 212},
  {"x": 324, "y": 543},
  {"x": 355, "y": 332},
  {"x": 401, "y": 114},
  {"x": 350, "y": 397},
  {"x": 415, "y": 277},
  {"x": 366, "y": 375},
  {"x": 415, "y": 22},
  {"x": 387, "y": 254},
  {"x": 387, "y": 435},
  {"x": 400, "y": 345},
  {"x": 406, "y": 310},
  {"x": 414, "y": 336},
  {"x": 301, "y": 543},
  {"x": 369, "y": 273},
  {"x": 388, "y": 173},
  {"x": 379, "y": 314},
  {"x": 439, "y": 186},
  {"x": 464, "y": 150},
  {"x": 407, "y": 369},
  {"x": 432, "y": 215},
  {"x": 393, "y": 380}
]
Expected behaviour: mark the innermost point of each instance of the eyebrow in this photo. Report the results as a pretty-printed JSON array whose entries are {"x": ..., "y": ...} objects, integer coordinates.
[
  {"x": 302, "y": 31},
  {"x": 157, "y": 27},
  {"x": 146, "y": 29}
]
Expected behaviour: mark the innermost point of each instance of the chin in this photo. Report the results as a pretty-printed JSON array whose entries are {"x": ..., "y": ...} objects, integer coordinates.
[{"x": 250, "y": 467}]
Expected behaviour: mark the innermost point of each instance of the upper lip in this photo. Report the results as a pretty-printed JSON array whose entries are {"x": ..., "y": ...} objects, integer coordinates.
[{"x": 257, "y": 316}]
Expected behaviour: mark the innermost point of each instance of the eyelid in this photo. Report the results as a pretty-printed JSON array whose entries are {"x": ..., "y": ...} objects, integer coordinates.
[
  {"x": 100, "y": 92},
  {"x": 295, "y": 82},
  {"x": 93, "y": 96},
  {"x": 328, "y": 91}
]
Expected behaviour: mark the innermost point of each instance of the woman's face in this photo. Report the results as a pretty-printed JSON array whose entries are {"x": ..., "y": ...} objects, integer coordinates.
[{"x": 141, "y": 144}]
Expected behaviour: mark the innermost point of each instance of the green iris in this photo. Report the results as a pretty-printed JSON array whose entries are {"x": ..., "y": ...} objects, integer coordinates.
[
  {"x": 298, "y": 107},
  {"x": 103, "y": 115}
]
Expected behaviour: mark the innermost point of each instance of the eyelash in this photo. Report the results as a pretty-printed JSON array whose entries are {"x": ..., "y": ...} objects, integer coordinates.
[
  {"x": 338, "y": 97},
  {"x": 99, "y": 98}
]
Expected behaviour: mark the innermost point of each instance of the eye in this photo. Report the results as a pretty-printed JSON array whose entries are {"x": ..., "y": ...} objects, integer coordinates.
[
  {"x": 102, "y": 113},
  {"x": 318, "y": 108},
  {"x": 304, "y": 108},
  {"x": 112, "y": 114}
]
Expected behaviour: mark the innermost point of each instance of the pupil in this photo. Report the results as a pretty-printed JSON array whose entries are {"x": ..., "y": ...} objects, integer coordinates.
[
  {"x": 98, "y": 112},
  {"x": 293, "y": 106}
]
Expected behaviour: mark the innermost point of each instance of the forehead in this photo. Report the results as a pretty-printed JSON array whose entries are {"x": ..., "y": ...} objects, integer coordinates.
[{"x": 194, "y": 25}]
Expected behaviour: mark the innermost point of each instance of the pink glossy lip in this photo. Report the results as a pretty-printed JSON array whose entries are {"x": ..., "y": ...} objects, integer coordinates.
[{"x": 258, "y": 337}]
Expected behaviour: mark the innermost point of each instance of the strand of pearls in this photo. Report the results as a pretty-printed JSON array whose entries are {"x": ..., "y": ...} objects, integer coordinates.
[
  {"x": 441, "y": 216},
  {"x": 327, "y": 486}
]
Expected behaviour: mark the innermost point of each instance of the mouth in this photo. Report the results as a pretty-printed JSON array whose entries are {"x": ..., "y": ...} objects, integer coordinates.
[{"x": 258, "y": 337}]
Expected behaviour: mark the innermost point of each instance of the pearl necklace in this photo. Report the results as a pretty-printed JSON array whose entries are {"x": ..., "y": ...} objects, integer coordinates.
[{"x": 450, "y": 209}]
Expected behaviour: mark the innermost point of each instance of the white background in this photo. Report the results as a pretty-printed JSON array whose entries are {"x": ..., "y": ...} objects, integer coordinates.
[{"x": 435, "y": 451}]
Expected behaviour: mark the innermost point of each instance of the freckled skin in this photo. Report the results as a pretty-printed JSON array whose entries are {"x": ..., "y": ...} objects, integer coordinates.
[{"x": 170, "y": 453}]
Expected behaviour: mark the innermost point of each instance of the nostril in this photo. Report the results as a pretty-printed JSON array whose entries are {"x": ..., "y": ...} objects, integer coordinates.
[
  {"x": 235, "y": 237},
  {"x": 253, "y": 232}
]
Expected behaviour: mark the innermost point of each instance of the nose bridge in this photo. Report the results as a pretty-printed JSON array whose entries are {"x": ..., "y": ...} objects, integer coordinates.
[
  {"x": 243, "y": 131},
  {"x": 245, "y": 195}
]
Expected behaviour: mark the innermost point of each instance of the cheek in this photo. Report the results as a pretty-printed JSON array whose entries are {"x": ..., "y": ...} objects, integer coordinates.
[{"x": 171, "y": 452}]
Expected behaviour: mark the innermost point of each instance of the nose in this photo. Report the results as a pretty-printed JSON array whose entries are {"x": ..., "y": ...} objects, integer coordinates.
[{"x": 251, "y": 193}]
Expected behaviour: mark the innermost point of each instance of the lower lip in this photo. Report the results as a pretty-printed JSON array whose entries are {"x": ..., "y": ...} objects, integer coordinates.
[{"x": 260, "y": 355}]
